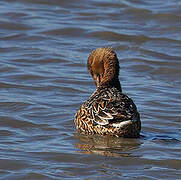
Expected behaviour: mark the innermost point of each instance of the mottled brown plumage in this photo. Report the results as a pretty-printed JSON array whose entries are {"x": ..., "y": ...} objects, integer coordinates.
[{"x": 108, "y": 111}]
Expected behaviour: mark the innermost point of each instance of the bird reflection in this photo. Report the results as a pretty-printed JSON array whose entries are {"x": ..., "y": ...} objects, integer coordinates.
[{"x": 106, "y": 145}]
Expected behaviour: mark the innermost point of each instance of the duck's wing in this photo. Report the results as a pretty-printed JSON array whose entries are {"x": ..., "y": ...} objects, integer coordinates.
[
  {"x": 100, "y": 113},
  {"x": 112, "y": 107}
]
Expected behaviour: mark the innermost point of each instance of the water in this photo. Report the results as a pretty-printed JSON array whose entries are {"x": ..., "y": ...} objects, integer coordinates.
[{"x": 44, "y": 47}]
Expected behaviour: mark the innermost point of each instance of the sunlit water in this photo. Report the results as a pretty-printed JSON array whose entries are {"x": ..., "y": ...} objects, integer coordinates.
[{"x": 44, "y": 47}]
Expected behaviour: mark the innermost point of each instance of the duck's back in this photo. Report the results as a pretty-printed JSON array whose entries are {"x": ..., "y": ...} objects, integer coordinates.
[{"x": 108, "y": 112}]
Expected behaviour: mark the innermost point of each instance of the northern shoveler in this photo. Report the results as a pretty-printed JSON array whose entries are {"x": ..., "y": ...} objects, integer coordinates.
[{"x": 108, "y": 111}]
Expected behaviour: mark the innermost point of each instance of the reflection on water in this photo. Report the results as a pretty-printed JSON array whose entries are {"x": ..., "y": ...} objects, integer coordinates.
[
  {"x": 107, "y": 146},
  {"x": 44, "y": 46}
]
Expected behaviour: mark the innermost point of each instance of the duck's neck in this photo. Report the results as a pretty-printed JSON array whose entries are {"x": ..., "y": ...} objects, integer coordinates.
[{"x": 111, "y": 83}]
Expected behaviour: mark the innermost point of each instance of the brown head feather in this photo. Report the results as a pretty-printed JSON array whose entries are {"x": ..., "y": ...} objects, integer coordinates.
[{"x": 104, "y": 63}]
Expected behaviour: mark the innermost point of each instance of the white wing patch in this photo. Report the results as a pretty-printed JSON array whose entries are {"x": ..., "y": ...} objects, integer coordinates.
[{"x": 121, "y": 124}]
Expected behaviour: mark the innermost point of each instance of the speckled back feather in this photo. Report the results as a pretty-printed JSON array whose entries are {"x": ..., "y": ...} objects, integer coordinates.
[{"x": 110, "y": 112}]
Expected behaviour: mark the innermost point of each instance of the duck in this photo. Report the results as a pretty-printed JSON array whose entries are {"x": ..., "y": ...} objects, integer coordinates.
[{"x": 108, "y": 111}]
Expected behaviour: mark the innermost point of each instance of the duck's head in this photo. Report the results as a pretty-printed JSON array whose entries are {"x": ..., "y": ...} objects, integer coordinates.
[{"x": 103, "y": 65}]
